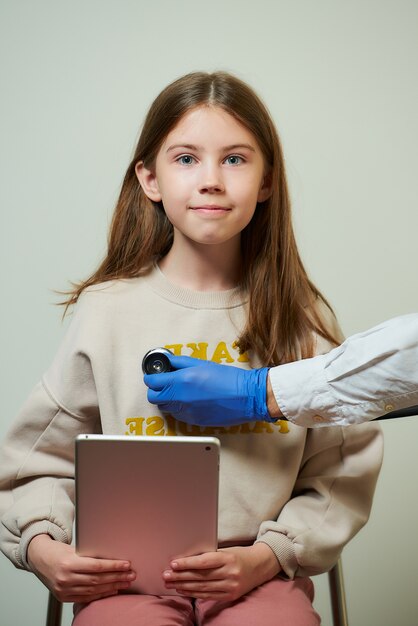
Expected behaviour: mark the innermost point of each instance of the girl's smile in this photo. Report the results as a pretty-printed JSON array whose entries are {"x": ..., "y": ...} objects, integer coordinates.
[{"x": 211, "y": 209}]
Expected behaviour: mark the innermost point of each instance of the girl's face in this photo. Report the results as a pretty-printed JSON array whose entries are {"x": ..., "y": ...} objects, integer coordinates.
[{"x": 209, "y": 174}]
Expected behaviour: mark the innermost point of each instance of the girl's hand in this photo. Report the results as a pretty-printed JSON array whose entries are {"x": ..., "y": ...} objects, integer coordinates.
[
  {"x": 226, "y": 574},
  {"x": 73, "y": 578}
]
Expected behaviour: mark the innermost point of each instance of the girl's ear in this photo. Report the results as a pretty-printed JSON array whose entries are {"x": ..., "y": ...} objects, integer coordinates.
[
  {"x": 148, "y": 181},
  {"x": 265, "y": 189}
]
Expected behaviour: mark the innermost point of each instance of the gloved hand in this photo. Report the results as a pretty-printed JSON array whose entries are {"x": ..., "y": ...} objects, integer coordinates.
[{"x": 209, "y": 394}]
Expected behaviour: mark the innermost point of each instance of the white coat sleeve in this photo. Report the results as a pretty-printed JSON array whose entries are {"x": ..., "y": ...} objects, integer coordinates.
[{"x": 370, "y": 374}]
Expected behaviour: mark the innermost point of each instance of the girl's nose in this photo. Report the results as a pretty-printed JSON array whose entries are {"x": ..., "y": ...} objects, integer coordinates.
[
  {"x": 212, "y": 188},
  {"x": 211, "y": 181}
]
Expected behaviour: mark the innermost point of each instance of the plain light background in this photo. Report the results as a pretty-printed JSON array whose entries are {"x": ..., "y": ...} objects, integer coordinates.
[{"x": 340, "y": 79}]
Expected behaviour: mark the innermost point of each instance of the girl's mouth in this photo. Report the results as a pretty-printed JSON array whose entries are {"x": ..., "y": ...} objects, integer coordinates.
[{"x": 210, "y": 208}]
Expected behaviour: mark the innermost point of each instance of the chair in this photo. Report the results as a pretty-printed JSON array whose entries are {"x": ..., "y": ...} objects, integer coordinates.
[
  {"x": 336, "y": 585},
  {"x": 411, "y": 410},
  {"x": 54, "y": 611},
  {"x": 337, "y": 592}
]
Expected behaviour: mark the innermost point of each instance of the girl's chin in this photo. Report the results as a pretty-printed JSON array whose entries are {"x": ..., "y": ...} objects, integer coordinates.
[
  {"x": 207, "y": 237},
  {"x": 214, "y": 240}
]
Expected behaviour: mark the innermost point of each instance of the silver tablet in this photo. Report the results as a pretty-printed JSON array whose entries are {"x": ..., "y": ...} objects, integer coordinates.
[{"x": 146, "y": 499}]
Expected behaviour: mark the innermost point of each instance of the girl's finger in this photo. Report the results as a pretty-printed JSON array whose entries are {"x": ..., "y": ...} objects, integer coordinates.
[
  {"x": 192, "y": 575},
  {"x": 85, "y": 564},
  {"x": 208, "y": 560},
  {"x": 88, "y": 591},
  {"x": 85, "y": 594},
  {"x": 91, "y": 578}
]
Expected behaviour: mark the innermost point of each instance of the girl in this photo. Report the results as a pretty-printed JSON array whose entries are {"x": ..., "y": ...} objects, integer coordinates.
[{"x": 201, "y": 259}]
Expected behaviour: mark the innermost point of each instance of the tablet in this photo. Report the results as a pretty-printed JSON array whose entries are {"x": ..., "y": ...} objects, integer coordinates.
[{"x": 147, "y": 500}]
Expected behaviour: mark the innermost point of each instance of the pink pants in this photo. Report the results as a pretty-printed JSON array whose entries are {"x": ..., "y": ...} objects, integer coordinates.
[{"x": 276, "y": 603}]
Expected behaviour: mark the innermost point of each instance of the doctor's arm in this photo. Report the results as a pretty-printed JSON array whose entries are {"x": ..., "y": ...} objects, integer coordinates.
[{"x": 369, "y": 375}]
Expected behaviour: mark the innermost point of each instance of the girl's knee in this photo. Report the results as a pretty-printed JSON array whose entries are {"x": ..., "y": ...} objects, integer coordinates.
[
  {"x": 135, "y": 610},
  {"x": 276, "y": 603}
]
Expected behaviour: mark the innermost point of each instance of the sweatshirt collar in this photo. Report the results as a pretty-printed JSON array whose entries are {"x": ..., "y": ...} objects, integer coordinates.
[{"x": 228, "y": 299}]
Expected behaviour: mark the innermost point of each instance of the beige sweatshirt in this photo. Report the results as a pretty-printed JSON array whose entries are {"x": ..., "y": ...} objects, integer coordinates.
[{"x": 303, "y": 492}]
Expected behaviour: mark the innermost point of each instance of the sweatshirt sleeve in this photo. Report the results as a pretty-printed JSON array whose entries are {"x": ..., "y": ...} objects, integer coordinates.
[
  {"x": 37, "y": 455},
  {"x": 331, "y": 500},
  {"x": 370, "y": 374}
]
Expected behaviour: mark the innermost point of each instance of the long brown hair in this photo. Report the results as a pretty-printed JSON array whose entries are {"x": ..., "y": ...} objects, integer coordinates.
[{"x": 283, "y": 314}]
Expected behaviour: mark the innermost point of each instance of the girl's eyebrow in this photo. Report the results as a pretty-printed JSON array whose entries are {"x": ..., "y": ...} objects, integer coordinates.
[
  {"x": 234, "y": 146},
  {"x": 237, "y": 146}
]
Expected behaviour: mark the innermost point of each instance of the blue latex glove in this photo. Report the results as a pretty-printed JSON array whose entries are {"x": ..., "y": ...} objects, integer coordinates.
[{"x": 209, "y": 394}]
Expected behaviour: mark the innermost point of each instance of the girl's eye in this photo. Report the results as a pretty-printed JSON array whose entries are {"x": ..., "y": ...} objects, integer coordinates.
[
  {"x": 185, "y": 159},
  {"x": 234, "y": 159}
]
